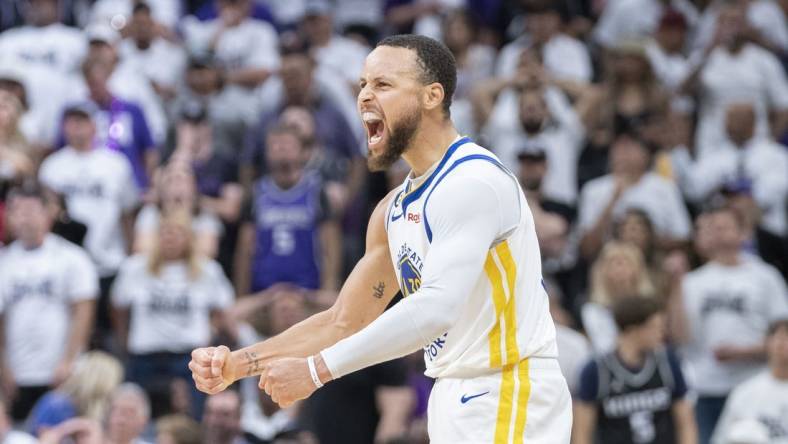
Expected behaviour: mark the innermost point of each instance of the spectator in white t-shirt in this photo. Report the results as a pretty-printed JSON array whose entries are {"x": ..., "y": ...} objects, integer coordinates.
[
  {"x": 763, "y": 398},
  {"x": 342, "y": 57},
  {"x": 619, "y": 272},
  {"x": 246, "y": 49},
  {"x": 766, "y": 24},
  {"x": 145, "y": 51},
  {"x": 744, "y": 157},
  {"x": 666, "y": 53},
  {"x": 565, "y": 57},
  {"x": 166, "y": 303},
  {"x": 48, "y": 54},
  {"x": 474, "y": 64},
  {"x": 128, "y": 416},
  {"x": 44, "y": 40},
  {"x": 47, "y": 292},
  {"x": 721, "y": 315},
  {"x": 100, "y": 191},
  {"x": 531, "y": 110},
  {"x": 630, "y": 184},
  {"x": 636, "y": 19},
  {"x": 733, "y": 70}
]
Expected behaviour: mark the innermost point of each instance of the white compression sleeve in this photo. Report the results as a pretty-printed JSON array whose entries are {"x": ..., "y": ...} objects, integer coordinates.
[{"x": 466, "y": 214}]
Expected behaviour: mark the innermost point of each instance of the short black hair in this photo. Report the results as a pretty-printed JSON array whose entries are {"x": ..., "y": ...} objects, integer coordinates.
[
  {"x": 32, "y": 189},
  {"x": 140, "y": 7},
  {"x": 634, "y": 311},
  {"x": 278, "y": 128},
  {"x": 436, "y": 61}
]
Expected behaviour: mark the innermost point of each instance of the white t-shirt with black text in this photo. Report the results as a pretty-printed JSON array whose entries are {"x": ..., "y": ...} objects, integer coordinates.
[
  {"x": 99, "y": 187},
  {"x": 729, "y": 306},
  {"x": 37, "y": 288},
  {"x": 171, "y": 311},
  {"x": 763, "y": 398}
]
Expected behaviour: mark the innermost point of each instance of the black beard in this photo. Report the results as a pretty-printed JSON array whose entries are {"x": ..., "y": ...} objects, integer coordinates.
[{"x": 400, "y": 138}]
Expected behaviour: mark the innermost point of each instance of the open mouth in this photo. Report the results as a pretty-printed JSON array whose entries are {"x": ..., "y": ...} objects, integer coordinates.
[{"x": 375, "y": 128}]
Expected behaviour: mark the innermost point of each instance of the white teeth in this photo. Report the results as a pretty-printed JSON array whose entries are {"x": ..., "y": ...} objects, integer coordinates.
[
  {"x": 374, "y": 139},
  {"x": 370, "y": 117}
]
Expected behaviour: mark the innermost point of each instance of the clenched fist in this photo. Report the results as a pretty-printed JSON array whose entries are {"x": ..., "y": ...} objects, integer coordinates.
[
  {"x": 287, "y": 380},
  {"x": 212, "y": 369}
]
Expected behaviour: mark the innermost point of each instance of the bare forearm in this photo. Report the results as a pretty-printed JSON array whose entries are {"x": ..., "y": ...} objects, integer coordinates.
[
  {"x": 81, "y": 323},
  {"x": 120, "y": 323},
  {"x": 593, "y": 239},
  {"x": 583, "y": 427},
  {"x": 306, "y": 338},
  {"x": 677, "y": 317},
  {"x": 686, "y": 428},
  {"x": 332, "y": 254}
]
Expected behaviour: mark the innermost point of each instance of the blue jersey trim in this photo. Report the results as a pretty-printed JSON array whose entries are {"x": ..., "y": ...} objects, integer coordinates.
[
  {"x": 391, "y": 210},
  {"x": 415, "y": 194},
  {"x": 454, "y": 165}
]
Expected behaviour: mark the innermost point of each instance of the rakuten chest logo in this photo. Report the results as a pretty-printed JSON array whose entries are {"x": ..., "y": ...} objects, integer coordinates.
[{"x": 414, "y": 217}]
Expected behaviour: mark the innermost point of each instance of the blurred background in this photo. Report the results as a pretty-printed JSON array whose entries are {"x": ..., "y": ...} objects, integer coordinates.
[{"x": 180, "y": 173}]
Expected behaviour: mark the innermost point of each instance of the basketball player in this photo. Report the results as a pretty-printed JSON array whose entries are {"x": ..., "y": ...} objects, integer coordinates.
[{"x": 457, "y": 238}]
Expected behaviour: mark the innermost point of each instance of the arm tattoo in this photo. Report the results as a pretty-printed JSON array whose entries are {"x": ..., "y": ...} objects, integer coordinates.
[
  {"x": 253, "y": 363},
  {"x": 379, "y": 290}
]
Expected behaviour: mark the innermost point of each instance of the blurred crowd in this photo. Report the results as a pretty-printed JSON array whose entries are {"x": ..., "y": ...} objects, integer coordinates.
[{"x": 179, "y": 173}]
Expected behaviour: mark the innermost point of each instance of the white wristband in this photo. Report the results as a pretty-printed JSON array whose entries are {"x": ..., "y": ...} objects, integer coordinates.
[{"x": 310, "y": 361}]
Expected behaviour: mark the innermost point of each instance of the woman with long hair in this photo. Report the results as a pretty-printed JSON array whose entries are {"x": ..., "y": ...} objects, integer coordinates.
[
  {"x": 85, "y": 393},
  {"x": 619, "y": 271},
  {"x": 166, "y": 303},
  {"x": 176, "y": 190}
]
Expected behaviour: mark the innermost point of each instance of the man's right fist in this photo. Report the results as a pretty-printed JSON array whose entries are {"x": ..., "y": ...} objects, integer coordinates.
[{"x": 212, "y": 369}]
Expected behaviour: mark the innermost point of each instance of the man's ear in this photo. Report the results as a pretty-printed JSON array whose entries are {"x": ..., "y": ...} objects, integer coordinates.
[{"x": 433, "y": 95}]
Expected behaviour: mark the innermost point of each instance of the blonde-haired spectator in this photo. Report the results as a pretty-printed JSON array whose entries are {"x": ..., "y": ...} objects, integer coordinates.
[
  {"x": 166, "y": 302},
  {"x": 619, "y": 271},
  {"x": 15, "y": 155},
  {"x": 85, "y": 393},
  {"x": 176, "y": 190}
]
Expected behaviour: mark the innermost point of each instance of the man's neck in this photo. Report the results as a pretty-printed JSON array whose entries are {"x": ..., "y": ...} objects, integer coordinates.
[
  {"x": 82, "y": 148},
  {"x": 728, "y": 258},
  {"x": 629, "y": 352},
  {"x": 429, "y": 145},
  {"x": 33, "y": 244}
]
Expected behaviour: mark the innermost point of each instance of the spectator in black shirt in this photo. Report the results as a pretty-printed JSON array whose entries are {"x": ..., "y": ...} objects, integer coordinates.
[{"x": 637, "y": 393}]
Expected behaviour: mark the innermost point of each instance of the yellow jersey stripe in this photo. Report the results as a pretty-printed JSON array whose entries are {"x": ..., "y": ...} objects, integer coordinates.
[
  {"x": 510, "y": 314},
  {"x": 523, "y": 395},
  {"x": 499, "y": 300},
  {"x": 505, "y": 404}
]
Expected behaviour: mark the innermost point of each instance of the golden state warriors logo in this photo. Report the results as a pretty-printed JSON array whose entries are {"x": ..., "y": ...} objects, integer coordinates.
[
  {"x": 410, "y": 278},
  {"x": 410, "y": 266}
]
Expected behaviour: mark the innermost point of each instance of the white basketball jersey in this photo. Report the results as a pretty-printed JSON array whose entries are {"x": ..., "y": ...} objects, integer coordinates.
[{"x": 507, "y": 316}]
